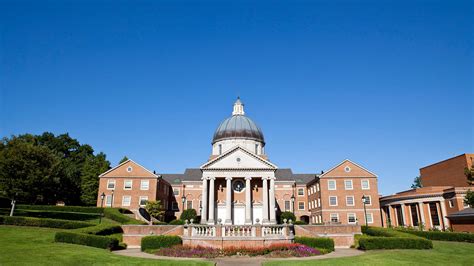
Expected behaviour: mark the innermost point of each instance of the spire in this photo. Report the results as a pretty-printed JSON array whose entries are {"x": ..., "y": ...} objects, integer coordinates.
[{"x": 238, "y": 107}]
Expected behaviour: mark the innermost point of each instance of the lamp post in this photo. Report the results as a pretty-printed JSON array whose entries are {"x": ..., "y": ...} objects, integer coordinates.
[
  {"x": 102, "y": 196},
  {"x": 293, "y": 203},
  {"x": 364, "y": 198},
  {"x": 112, "y": 199},
  {"x": 183, "y": 200}
]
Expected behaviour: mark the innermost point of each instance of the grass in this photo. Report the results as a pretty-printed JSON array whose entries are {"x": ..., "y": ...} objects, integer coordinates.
[
  {"x": 443, "y": 253},
  {"x": 35, "y": 246}
]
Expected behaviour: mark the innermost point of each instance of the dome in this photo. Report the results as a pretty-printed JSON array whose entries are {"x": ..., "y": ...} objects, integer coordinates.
[{"x": 238, "y": 126}]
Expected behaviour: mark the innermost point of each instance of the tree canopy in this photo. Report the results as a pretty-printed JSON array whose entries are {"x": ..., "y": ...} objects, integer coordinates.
[
  {"x": 45, "y": 169},
  {"x": 124, "y": 159},
  {"x": 416, "y": 182}
]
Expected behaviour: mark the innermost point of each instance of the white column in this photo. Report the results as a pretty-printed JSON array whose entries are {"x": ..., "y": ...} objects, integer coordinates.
[
  {"x": 265, "y": 200},
  {"x": 204, "y": 201},
  {"x": 211, "y": 200},
  {"x": 272, "y": 200},
  {"x": 248, "y": 201},
  {"x": 422, "y": 213},
  {"x": 442, "y": 204},
  {"x": 228, "y": 200}
]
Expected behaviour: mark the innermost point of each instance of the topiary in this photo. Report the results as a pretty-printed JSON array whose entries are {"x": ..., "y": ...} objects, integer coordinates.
[
  {"x": 188, "y": 215},
  {"x": 176, "y": 222},
  {"x": 287, "y": 216}
]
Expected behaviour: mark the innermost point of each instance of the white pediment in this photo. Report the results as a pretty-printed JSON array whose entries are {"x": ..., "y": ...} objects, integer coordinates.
[{"x": 238, "y": 158}]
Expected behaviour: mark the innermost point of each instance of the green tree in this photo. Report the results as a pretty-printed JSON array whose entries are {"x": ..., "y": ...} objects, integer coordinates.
[
  {"x": 124, "y": 159},
  {"x": 155, "y": 209},
  {"x": 469, "y": 175},
  {"x": 93, "y": 166},
  {"x": 417, "y": 183},
  {"x": 469, "y": 199}
]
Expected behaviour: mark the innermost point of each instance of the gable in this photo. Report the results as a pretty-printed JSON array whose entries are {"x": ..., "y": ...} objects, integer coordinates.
[
  {"x": 355, "y": 171},
  {"x": 238, "y": 158},
  {"x": 121, "y": 171}
]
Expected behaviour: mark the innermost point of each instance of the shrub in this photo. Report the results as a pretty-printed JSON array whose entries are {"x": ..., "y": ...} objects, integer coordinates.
[
  {"x": 81, "y": 209},
  {"x": 176, "y": 222},
  {"x": 316, "y": 242},
  {"x": 287, "y": 216},
  {"x": 43, "y": 222},
  {"x": 100, "y": 229},
  {"x": 156, "y": 242},
  {"x": 368, "y": 243},
  {"x": 116, "y": 215},
  {"x": 76, "y": 216},
  {"x": 87, "y": 240},
  {"x": 300, "y": 222},
  {"x": 188, "y": 215},
  {"x": 385, "y": 232},
  {"x": 443, "y": 236}
]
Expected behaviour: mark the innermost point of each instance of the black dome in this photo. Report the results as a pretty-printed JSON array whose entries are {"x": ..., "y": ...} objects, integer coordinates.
[{"x": 238, "y": 126}]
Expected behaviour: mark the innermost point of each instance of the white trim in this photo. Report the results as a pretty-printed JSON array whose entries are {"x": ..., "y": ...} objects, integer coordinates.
[
  {"x": 330, "y": 217},
  {"x": 142, "y": 198},
  {"x": 348, "y": 210},
  {"x": 111, "y": 181},
  {"x": 351, "y": 214},
  {"x": 129, "y": 160},
  {"x": 298, "y": 192},
  {"x": 304, "y": 206},
  {"x": 147, "y": 186},
  {"x": 204, "y": 166},
  {"x": 335, "y": 184},
  {"x": 106, "y": 199},
  {"x": 330, "y": 201},
  {"x": 371, "y": 218},
  {"x": 179, "y": 191},
  {"x": 129, "y": 202},
  {"x": 125, "y": 182},
  {"x": 368, "y": 184},
  {"x": 353, "y": 201},
  {"x": 370, "y": 199},
  {"x": 346, "y": 160},
  {"x": 352, "y": 184}
]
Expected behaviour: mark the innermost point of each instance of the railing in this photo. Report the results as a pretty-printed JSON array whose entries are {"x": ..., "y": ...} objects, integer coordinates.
[
  {"x": 203, "y": 230},
  {"x": 239, "y": 231},
  {"x": 273, "y": 230},
  {"x": 282, "y": 231}
]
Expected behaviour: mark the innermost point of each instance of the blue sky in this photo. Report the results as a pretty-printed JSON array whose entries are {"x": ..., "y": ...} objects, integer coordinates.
[{"x": 387, "y": 84}]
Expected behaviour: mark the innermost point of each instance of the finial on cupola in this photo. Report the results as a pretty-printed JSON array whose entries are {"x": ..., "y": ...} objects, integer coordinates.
[{"x": 238, "y": 107}]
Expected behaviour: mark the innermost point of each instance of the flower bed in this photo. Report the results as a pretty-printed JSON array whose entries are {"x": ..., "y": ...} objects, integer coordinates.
[{"x": 275, "y": 251}]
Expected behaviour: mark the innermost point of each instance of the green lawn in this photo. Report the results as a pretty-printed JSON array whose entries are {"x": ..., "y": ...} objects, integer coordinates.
[
  {"x": 35, "y": 246},
  {"x": 443, "y": 253}
]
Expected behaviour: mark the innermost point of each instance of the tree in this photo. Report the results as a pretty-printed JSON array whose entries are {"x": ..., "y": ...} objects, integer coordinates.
[
  {"x": 124, "y": 159},
  {"x": 188, "y": 215},
  {"x": 417, "y": 183},
  {"x": 287, "y": 216},
  {"x": 155, "y": 209},
  {"x": 469, "y": 175},
  {"x": 90, "y": 177},
  {"x": 469, "y": 199}
]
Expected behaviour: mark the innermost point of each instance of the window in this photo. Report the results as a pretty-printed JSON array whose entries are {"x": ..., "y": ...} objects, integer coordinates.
[
  {"x": 287, "y": 205},
  {"x": 300, "y": 205},
  {"x": 110, "y": 184},
  {"x": 331, "y": 184},
  {"x": 319, "y": 202},
  {"x": 334, "y": 217},
  {"x": 451, "y": 203},
  {"x": 317, "y": 186},
  {"x": 127, "y": 185},
  {"x": 368, "y": 200},
  {"x": 347, "y": 169},
  {"x": 351, "y": 218},
  {"x": 176, "y": 191},
  {"x": 108, "y": 200},
  {"x": 348, "y": 184},
  {"x": 220, "y": 149},
  {"x": 365, "y": 184},
  {"x": 256, "y": 148},
  {"x": 143, "y": 200},
  {"x": 189, "y": 204},
  {"x": 144, "y": 185},
  {"x": 332, "y": 201},
  {"x": 300, "y": 191},
  {"x": 174, "y": 206},
  {"x": 350, "y": 200},
  {"x": 126, "y": 200},
  {"x": 370, "y": 219},
  {"x": 129, "y": 169},
  {"x": 434, "y": 213}
]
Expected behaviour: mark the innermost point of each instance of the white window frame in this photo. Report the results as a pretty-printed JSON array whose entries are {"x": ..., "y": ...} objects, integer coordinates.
[
  {"x": 317, "y": 186},
  {"x": 353, "y": 201},
  {"x": 142, "y": 198},
  {"x": 289, "y": 205},
  {"x": 107, "y": 197},
  {"x": 335, "y": 184},
  {"x": 187, "y": 204},
  {"x": 355, "y": 218},
  {"x": 330, "y": 200},
  {"x": 369, "y": 214},
  {"x": 111, "y": 181},
  {"x": 451, "y": 203},
  {"x": 179, "y": 191},
  {"x": 304, "y": 206},
  {"x": 319, "y": 202},
  {"x": 125, "y": 184},
  {"x": 147, "y": 184},
  {"x": 298, "y": 192},
  {"x": 331, "y": 215},
  {"x": 362, "y": 184},
  {"x": 370, "y": 199},
  {"x": 129, "y": 201},
  {"x": 345, "y": 184}
]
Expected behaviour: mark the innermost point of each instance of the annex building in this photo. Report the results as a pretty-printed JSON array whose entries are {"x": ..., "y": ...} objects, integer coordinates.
[{"x": 239, "y": 185}]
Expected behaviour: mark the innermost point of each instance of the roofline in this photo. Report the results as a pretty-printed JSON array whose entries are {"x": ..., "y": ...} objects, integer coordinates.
[
  {"x": 464, "y": 154},
  {"x": 347, "y": 160},
  {"x": 232, "y": 150},
  {"x": 129, "y": 160},
  {"x": 227, "y": 138}
]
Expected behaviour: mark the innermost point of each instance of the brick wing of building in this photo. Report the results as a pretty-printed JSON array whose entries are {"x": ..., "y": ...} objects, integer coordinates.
[{"x": 238, "y": 184}]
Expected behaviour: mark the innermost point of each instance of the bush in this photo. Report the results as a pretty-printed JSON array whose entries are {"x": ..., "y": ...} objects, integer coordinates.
[
  {"x": 369, "y": 243},
  {"x": 385, "y": 232},
  {"x": 300, "y": 223},
  {"x": 60, "y": 208},
  {"x": 101, "y": 229},
  {"x": 176, "y": 222},
  {"x": 43, "y": 222},
  {"x": 76, "y": 216},
  {"x": 316, "y": 242},
  {"x": 156, "y": 242},
  {"x": 87, "y": 240},
  {"x": 442, "y": 236},
  {"x": 287, "y": 216},
  {"x": 116, "y": 215},
  {"x": 188, "y": 215}
]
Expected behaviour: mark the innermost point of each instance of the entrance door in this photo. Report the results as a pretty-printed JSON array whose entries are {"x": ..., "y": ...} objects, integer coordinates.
[{"x": 239, "y": 215}]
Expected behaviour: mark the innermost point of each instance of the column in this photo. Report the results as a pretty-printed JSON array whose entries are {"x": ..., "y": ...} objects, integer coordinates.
[
  {"x": 228, "y": 200},
  {"x": 211, "y": 200},
  {"x": 422, "y": 213},
  {"x": 442, "y": 204},
  {"x": 248, "y": 201},
  {"x": 265, "y": 200},
  {"x": 272, "y": 200},
  {"x": 204, "y": 201}
]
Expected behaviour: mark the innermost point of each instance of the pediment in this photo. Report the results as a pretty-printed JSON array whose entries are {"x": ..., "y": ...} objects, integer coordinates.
[
  {"x": 348, "y": 168},
  {"x": 239, "y": 158},
  {"x": 129, "y": 168}
]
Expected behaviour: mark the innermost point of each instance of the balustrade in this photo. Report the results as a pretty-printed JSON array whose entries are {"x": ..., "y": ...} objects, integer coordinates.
[
  {"x": 238, "y": 231},
  {"x": 203, "y": 230},
  {"x": 246, "y": 231}
]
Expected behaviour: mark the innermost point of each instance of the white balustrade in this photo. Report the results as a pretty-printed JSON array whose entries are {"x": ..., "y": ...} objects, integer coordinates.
[
  {"x": 273, "y": 230},
  {"x": 204, "y": 230},
  {"x": 238, "y": 231}
]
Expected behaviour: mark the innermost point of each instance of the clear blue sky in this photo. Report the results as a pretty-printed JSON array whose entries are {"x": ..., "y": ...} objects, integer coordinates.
[{"x": 388, "y": 84}]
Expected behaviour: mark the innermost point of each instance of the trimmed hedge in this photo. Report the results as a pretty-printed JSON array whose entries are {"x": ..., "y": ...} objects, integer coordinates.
[
  {"x": 43, "y": 222},
  {"x": 81, "y": 209},
  {"x": 385, "y": 232},
  {"x": 101, "y": 229},
  {"x": 76, "y": 216},
  {"x": 176, "y": 222},
  {"x": 442, "y": 236},
  {"x": 316, "y": 242},
  {"x": 156, "y": 242},
  {"x": 377, "y": 242},
  {"x": 104, "y": 242},
  {"x": 116, "y": 215}
]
